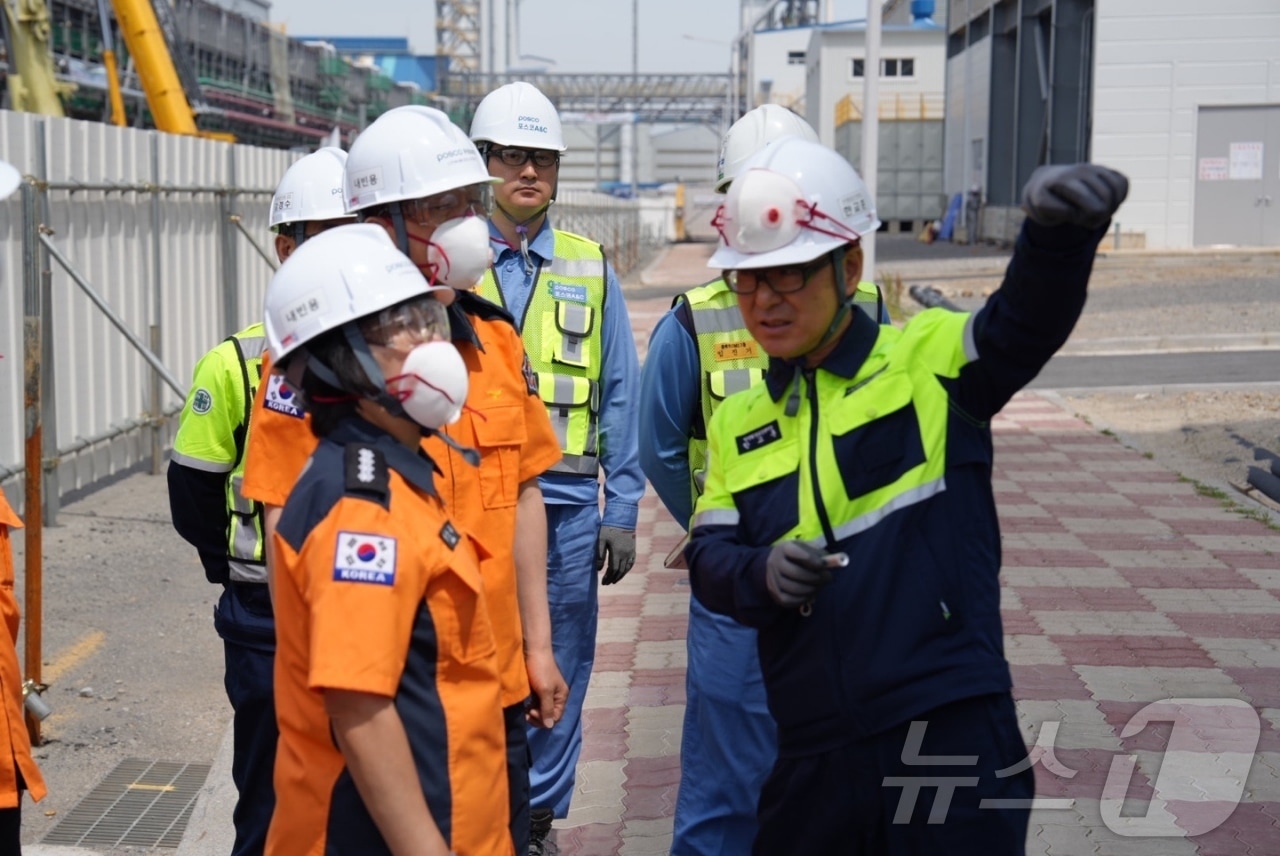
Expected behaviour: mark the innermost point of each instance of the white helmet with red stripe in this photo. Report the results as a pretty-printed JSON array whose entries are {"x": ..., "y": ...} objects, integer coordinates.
[{"x": 792, "y": 202}]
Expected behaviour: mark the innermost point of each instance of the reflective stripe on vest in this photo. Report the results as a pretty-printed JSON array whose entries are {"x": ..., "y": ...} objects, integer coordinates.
[
  {"x": 897, "y": 386},
  {"x": 729, "y": 359},
  {"x": 246, "y": 538},
  {"x": 562, "y": 331}
]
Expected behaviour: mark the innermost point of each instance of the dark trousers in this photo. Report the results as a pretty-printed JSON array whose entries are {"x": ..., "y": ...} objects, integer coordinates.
[
  {"x": 518, "y": 775},
  {"x": 244, "y": 621},
  {"x": 11, "y": 829},
  {"x": 863, "y": 799}
]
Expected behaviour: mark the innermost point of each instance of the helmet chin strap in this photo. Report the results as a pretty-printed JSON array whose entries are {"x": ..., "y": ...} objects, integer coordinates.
[
  {"x": 305, "y": 361},
  {"x": 522, "y": 229},
  {"x": 844, "y": 305},
  {"x": 392, "y": 404},
  {"x": 402, "y": 234}
]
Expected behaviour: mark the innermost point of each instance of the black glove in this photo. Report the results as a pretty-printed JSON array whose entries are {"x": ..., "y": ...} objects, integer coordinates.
[
  {"x": 618, "y": 546},
  {"x": 794, "y": 572},
  {"x": 1081, "y": 194}
]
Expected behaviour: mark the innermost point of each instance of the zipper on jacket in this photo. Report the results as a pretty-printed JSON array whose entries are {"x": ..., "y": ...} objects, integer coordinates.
[{"x": 811, "y": 379}]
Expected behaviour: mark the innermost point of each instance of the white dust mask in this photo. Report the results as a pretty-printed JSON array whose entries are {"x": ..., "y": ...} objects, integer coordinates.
[
  {"x": 432, "y": 385},
  {"x": 459, "y": 252}
]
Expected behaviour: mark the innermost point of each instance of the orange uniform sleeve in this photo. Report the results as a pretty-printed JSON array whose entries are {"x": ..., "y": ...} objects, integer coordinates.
[
  {"x": 362, "y": 582},
  {"x": 541, "y": 450},
  {"x": 280, "y": 440},
  {"x": 8, "y": 600}
]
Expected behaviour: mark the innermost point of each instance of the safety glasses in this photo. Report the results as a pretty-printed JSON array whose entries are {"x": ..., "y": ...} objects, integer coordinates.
[
  {"x": 436, "y": 210},
  {"x": 541, "y": 158},
  {"x": 786, "y": 279},
  {"x": 407, "y": 324}
]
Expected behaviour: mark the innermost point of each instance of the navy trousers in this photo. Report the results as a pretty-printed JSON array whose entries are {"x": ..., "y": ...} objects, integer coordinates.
[
  {"x": 872, "y": 797},
  {"x": 244, "y": 620},
  {"x": 518, "y": 775}
]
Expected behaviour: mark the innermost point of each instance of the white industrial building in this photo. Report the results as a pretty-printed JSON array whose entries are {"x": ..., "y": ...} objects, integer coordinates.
[
  {"x": 911, "y": 97},
  {"x": 1181, "y": 95}
]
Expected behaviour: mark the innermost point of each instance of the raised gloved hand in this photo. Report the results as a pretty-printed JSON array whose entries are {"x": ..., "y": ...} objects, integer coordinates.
[
  {"x": 794, "y": 572},
  {"x": 618, "y": 548},
  {"x": 1081, "y": 194}
]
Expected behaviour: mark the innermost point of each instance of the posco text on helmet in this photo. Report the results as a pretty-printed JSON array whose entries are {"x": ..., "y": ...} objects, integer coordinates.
[
  {"x": 792, "y": 202},
  {"x": 409, "y": 153},
  {"x": 757, "y": 128},
  {"x": 311, "y": 189},
  {"x": 341, "y": 275},
  {"x": 517, "y": 114}
]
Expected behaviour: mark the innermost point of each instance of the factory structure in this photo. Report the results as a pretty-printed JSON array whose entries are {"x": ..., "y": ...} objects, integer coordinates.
[{"x": 1182, "y": 96}]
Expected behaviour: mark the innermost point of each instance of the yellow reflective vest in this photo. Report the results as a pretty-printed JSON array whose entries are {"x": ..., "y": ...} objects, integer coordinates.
[
  {"x": 562, "y": 331},
  {"x": 212, "y": 432},
  {"x": 729, "y": 359}
]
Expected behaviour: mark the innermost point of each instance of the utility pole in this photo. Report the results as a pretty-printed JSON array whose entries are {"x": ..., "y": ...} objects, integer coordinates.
[
  {"x": 871, "y": 126},
  {"x": 490, "y": 7}
]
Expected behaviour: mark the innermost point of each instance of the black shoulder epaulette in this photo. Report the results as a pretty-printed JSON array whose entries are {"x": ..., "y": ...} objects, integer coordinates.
[
  {"x": 684, "y": 316},
  {"x": 367, "y": 473},
  {"x": 482, "y": 307}
]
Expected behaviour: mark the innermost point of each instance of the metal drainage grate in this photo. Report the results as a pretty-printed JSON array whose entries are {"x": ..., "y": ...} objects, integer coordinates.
[{"x": 140, "y": 803}]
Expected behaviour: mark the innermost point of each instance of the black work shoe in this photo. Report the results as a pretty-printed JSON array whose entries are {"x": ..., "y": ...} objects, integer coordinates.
[{"x": 541, "y": 840}]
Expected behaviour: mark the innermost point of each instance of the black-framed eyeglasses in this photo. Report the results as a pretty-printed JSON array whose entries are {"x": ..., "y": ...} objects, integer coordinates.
[
  {"x": 542, "y": 158},
  {"x": 785, "y": 279}
]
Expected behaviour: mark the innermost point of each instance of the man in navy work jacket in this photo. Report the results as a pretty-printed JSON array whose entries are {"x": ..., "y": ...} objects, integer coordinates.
[{"x": 886, "y": 676}]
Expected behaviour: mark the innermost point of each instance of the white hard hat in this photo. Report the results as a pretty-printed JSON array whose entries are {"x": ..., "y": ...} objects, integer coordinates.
[
  {"x": 757, "y": 128},
  {"x": 517, "y": 114},
  {"x": 410, "y": 152},
  {"x": 311, "y": 189},
  {"x": 340, "y": 275},
  {"x": 10, "y": 178},
  {"x": 792, "y": 202}
]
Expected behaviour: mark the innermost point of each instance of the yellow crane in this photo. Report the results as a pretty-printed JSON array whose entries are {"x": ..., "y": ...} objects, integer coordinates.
[
  {"x": 33, "y": 85},
  {"x": 145, "y": 40},
  {"x": 114, "y": 93},
  {"x": 35, "y": 88}
]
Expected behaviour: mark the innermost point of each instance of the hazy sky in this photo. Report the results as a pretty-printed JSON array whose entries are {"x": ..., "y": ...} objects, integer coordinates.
[{"x": 580, "y": 35}]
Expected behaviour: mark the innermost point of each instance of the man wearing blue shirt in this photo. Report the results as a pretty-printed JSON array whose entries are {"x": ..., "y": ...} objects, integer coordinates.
[
  {"x": 569, "y": 308},
  {"x": 699, "y": 351}
]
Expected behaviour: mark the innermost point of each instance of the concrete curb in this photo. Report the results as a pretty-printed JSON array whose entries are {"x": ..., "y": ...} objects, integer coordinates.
[{"x": 210, "y": 831}]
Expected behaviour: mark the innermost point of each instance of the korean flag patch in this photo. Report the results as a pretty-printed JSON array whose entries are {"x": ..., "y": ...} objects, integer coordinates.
[
  {"x": 281, "y": 398},
  {"x": 368, "y": 559}
]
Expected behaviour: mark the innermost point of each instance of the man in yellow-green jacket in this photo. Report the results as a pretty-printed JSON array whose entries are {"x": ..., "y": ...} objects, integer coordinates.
[{"x": 848, "y": 515}]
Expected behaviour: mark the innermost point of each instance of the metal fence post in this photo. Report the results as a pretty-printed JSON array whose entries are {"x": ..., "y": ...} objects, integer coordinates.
[
  {"x": 32, "y": 510},
  {"x": 230, "y": 256},
  {"x": 51, "y": 490},
  {"x": 157, "y": 310}
]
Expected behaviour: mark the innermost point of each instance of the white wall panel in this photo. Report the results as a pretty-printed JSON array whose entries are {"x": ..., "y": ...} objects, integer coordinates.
[
  {"x": 100, "y": 381},
  {"x": 1172, "y": 57}
]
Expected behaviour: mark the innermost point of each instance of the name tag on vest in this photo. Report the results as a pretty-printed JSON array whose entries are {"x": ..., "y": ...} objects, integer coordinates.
[
  {"x": 575, "y": 293},
  {"x": 759, "y": 438},
  {"x": 743, "y": 350}
]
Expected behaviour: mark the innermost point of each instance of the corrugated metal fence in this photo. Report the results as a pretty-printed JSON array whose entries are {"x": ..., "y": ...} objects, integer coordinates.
[
  {"x": 146, "y": 221},
  {"x": 167, "y": 234}
]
